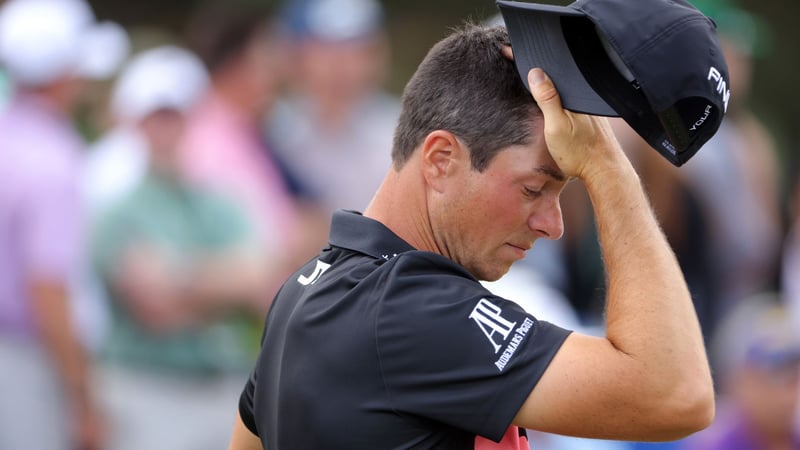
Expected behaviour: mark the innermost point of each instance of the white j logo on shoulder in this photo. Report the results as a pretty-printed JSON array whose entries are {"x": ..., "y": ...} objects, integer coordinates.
[
  {"x": 318, "y": 271},
  {"x": 487, "y": 315}
]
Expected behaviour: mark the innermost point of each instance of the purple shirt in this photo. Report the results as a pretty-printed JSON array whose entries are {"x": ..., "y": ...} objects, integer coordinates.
[
  {"x": 41, "y": 221},
  {"x": 729, "y": 432}
]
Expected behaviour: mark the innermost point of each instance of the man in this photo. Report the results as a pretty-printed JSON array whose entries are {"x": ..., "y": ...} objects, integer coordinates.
[
  {"x": 387, "y": 339},
  {"x": 49, "y": 49}
]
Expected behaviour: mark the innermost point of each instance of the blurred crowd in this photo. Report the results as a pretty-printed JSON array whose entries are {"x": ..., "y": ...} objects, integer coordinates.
[{"x": 141, "y": 243}]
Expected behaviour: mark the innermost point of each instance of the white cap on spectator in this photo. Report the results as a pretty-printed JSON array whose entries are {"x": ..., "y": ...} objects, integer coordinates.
[
  {"x": 43, "y": 40},
  {"x": 166, "y": 77}
]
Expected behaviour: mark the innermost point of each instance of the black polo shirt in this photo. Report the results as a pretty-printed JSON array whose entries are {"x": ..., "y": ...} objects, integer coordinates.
[{"x": 377, "y": 345}]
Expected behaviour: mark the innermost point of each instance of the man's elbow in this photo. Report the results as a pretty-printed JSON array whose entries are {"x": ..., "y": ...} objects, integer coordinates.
[
  {"x": 701, "y": 414},
  {"x": 691, "y": 410}
]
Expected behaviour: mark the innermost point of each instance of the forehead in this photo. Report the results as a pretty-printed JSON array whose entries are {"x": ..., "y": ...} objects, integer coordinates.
[{"x": 532, "y": 158}]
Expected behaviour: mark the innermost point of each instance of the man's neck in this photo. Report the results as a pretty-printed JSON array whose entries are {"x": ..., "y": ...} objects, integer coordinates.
[{"x": 400, "y": 204}]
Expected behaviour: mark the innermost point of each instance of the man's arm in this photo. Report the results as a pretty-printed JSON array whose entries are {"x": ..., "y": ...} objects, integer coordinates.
[
  {"x": 50, "y": 307},
  {"x": 649, "y": 379},
  {"x": 242, "y": 438},
  {"x": 162, "y": 297}
]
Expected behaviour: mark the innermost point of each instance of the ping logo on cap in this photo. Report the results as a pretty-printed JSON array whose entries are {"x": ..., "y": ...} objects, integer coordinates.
[{"x": 722, "y": 86}]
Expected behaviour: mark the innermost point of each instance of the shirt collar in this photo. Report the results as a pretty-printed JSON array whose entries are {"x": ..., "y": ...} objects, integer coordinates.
[{"x": 353, "y": 231}]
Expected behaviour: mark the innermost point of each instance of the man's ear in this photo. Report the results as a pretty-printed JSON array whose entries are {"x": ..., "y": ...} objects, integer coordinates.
[{"x": 441, "y": 157}]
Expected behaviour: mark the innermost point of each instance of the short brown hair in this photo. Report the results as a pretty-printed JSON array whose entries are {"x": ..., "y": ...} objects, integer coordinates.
[{"x": 466, "y": 86}]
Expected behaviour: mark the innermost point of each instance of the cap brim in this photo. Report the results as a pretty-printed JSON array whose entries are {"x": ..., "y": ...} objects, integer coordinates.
[{"x": 537, "y": 38}]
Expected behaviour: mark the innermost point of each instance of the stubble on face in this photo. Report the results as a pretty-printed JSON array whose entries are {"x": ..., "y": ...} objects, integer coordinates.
[
  {"x": 485, "y": 219},
  {"x": 471, "y": 228}
]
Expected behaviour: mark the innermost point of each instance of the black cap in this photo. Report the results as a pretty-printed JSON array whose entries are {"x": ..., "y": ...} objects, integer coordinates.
[{"x": 655, "y": 63}]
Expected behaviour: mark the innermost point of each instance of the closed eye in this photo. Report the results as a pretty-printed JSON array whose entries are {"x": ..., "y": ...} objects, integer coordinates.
[{"x": 532, "y": 193}]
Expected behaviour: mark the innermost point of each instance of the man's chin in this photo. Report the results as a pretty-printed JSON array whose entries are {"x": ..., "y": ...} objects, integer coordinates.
[{"x": 493, "y": 273}]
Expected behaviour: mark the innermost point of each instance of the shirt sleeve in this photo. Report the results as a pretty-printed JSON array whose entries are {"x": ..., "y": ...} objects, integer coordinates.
[
  {"x": 452, "y": 352},
  {"x": 246, "y": 405}
]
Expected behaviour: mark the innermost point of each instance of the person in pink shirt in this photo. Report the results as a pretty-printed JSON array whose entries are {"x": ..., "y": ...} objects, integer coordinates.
[{"x": 222, "y": 148}]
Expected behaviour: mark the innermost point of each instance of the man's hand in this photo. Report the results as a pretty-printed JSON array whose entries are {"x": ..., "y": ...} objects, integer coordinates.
[{"x": 580, "y": 144}]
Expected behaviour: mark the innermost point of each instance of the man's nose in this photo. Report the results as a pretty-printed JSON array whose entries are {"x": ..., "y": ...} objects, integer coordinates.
[{"x": 547, "y": 221}]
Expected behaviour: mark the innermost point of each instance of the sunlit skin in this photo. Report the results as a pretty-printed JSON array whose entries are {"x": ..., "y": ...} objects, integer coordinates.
[{"x": 485, "y": 221}]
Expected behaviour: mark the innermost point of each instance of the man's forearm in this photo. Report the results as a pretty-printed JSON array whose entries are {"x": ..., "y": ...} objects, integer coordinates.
[
  {"x": 650, "y": 315},
  {"x": 52, "y": 316}
]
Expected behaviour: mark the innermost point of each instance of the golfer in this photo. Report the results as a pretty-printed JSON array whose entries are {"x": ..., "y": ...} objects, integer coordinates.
[{"x": 387, "y": 339}]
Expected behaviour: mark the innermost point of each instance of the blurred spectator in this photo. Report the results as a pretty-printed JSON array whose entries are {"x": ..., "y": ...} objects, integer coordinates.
[
  {"x": 758, "y": 361},
  {"x": 47, "y": 48},
  {"x": 5, "y": 89},
  {"x": 222, "y": 148},
  {"x": 335, "y": 116},
  {"x": 735, "y": 176},
  {"x": 790, "y": 276},
  {"x": 178, "y": 265}
]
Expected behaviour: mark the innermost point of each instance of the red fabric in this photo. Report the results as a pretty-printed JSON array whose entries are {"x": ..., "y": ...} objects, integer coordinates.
[{"x": 514, "y": 439}]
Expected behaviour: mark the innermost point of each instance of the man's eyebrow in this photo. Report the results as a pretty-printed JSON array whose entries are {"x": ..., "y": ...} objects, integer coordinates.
[{"x": 551, "y": 172}]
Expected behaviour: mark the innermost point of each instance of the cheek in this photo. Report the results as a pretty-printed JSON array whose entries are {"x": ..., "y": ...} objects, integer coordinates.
[
  {"x": 483, "y": 212},
  {"x": 482, "y": 207},
  {"x": 504, "y": 210},
  {"x": 493, "y": 224},
  {"x": 465, "y": 220}
]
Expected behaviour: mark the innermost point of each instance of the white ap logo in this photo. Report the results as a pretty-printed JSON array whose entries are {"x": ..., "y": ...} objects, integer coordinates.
[
  {"x": 487, "y": 315},
  {"x": 318, "y": 271}
]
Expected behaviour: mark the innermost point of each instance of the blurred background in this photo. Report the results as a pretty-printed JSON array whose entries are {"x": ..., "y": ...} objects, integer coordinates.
[
  {"x": 165, "y": 165},
  {"x": 414, "y": 25}
]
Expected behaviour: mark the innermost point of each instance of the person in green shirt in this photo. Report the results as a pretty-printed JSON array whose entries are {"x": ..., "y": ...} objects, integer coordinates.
[{"x": 183, "y": 272}]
